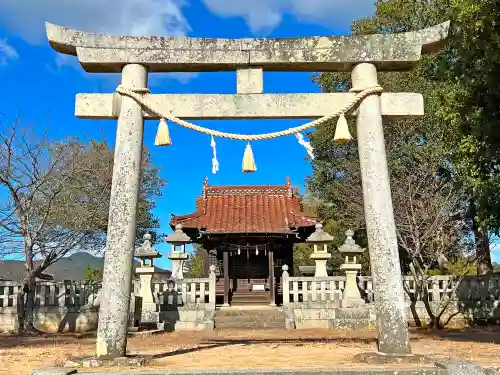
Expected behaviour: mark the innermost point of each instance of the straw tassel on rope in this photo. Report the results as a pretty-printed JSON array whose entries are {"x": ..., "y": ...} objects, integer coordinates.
[
  {"x": 163, "y": 135},
  {"x": 342, "y": 130},
  {"x": 248, "y": 160}
]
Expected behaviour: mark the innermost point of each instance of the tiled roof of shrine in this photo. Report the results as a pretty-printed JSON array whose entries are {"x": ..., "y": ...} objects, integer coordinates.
[{"x": 247, "y": 209}]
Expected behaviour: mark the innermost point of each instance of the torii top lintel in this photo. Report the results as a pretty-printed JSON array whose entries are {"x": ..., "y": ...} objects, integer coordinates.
[{"x": 109, "y": 53}]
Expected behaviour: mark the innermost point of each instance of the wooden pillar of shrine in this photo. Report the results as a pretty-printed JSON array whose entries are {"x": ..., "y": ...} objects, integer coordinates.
[
  {"x": 205, "y": 263},
  {"x": 225, "y": 260},
  {"x": 272, "y": 296}
]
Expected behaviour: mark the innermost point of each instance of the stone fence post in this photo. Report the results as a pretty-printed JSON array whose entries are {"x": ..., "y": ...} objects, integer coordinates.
[
  {"x": 212, "y": 286},
  {"x": 285, "y": 285}
]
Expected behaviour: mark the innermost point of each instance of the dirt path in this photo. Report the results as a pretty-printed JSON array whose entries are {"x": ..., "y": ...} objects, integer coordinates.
[{"x": 249, "y": 350}]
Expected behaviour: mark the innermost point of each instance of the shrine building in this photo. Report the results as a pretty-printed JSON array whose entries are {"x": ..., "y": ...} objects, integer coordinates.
[{"x": 248, "y": 233}]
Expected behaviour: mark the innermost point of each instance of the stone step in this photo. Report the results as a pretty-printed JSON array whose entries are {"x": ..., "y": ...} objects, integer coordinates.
[
  {"x": 250, "y": 303},
  {"x": 249, "y": 325},
  {"x": 251, "y": 294},
  {"x": 252, "y": 300},
  {"x": 264, "y": 311},
  {"x": 249, "y": 317},
  {"x": 264, "y": 318}
]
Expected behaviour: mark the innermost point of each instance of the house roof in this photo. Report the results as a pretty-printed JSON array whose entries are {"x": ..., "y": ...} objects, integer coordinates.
[{"x": 247, "y": 209}]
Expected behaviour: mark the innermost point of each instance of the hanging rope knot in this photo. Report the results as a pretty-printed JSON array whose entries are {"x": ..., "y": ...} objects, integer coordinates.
[
  {"x": 372, "y": 90},
  {"x": 135, "y": 90}
]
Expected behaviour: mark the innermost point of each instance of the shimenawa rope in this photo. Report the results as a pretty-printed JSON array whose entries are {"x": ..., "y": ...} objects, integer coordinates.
[{"x": 141, "y": 97}]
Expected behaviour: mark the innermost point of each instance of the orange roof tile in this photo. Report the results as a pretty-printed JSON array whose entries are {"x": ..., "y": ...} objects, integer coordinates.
[{"x": 247, "y": 209}]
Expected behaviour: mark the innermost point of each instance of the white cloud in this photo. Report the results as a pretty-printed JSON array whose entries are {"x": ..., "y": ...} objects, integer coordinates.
[
  {"x": 264, "y": 15},
  {"x": 7, "y": 52},
  {"x": 26, "y": 18}
]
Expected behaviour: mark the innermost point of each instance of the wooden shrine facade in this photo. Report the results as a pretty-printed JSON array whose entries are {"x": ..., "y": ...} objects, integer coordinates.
[{"x": 248, "y": 233}]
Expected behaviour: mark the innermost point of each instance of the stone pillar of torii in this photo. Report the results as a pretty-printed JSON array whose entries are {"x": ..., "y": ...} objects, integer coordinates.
[{"x": 362, "y": 56}]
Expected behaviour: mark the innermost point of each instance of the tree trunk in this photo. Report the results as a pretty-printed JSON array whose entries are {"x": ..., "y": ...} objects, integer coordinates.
[
  {"x": 26, "y": 299},
  {"x": 483, "y": 253},
  {"x": 482, "y": 243}
]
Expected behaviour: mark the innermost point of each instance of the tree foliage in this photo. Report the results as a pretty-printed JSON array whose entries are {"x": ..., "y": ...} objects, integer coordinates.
[
  {"x": 444, "y": 167},
  {"x": 196, "y": 260},
  {"x": 302, "y": 251},
  {"x": 56, "y": 200},
  {"x": 92, "y": 275}
]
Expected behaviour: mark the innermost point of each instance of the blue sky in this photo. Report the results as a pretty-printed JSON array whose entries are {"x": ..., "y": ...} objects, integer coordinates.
[{"x": 43, "y": 84}]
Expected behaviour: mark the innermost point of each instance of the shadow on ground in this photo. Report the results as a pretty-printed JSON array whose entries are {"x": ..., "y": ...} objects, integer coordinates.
[
  {"x": 197, "y": 341},
  {"x": 217, "y": 343},
  {"x": 485, "y": 334}
]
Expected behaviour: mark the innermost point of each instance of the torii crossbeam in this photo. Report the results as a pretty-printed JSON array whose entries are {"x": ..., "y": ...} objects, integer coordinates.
[{"x": 363, "y": 56}]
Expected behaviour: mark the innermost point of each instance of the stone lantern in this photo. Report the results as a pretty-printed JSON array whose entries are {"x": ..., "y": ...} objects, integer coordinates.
[
  {"x": 146, "y": 253},
  {"x": 320, "y": 239},
  {"x": 178, "y": 256},
  {"x": 351, "y": 296}
]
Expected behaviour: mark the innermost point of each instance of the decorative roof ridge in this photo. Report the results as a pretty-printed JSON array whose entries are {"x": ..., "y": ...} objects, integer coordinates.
[{"x": 212, "y": 190}]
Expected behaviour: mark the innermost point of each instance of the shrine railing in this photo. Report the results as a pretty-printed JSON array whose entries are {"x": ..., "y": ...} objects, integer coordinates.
[
  {"x": 49, "y": 293},
  {"x": 295, "y": 289},
  {"x": 312, "y": 289},
  {"x": 185, "y": 292},
  {"x": 475, "y": 289}
]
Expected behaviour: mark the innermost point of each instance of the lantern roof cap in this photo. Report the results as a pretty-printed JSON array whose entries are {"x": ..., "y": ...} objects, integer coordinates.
[
  {"x": 319, "y": 235},
  {"x": 146, "y": 250},
  {"x": 350, "y": 245},
  {"x": 178, "y": 237}
]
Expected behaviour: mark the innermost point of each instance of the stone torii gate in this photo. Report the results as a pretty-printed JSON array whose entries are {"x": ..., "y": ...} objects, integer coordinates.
[{"x": 363, "y": 56}]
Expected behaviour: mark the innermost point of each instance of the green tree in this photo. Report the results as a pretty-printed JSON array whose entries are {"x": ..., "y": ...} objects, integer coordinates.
[
  {"x": 92, "y": 275},
  {"x": 444, "y": 168},
  {"x": 460, "y": 108},
  {"x": 57, "y": 201},
  {"x": 196, "y": 259},
  {"x": 302, "y": 251}
]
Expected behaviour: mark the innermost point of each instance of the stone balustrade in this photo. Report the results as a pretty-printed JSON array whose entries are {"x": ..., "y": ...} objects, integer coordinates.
[
  {"x": 50, "y": 293},
  {"x": 442, "y": 288},
  {"x": 77, "y": 294},
  {"x": 73, "y": 305},
  {"x": 59, "y": 306},
  {"x": 312, "y": 289},
  {"x": 316, "y": 302},
  {"x": 184, "y": 304},
  {"x": 190, "y": 303},
  {"x": 185, "y": 292}
]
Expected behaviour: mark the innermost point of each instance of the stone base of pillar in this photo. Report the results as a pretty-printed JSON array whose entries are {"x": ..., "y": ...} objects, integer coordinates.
[
  {"x": 352, "y": 303},
  {"x": 94, "y": 362},
  {"x": 149, "y": 314},
  {"x": 383, "y": 359},
  {"x": 351, "y": 296}
]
